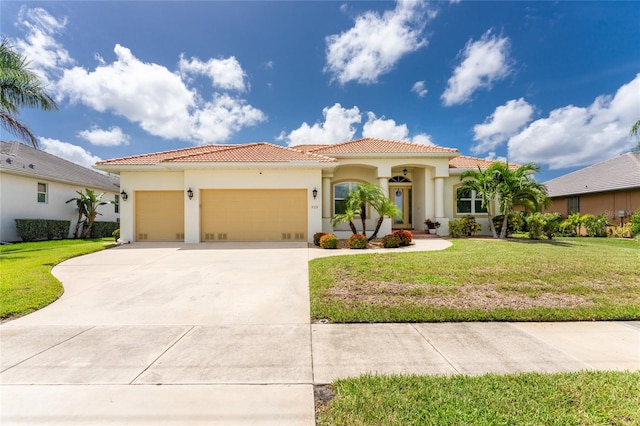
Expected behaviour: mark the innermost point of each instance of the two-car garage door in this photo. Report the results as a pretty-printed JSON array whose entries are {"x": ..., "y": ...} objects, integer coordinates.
[
  {"x": 225, "y": 215},
  {"x": 253, "y": 215}
]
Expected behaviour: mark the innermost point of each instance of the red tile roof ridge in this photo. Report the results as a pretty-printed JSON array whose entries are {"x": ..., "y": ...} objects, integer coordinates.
[
  {"x": 247, "y": 146},
  {"x": 162, "y": 153},
  {"x": 387, "y": 141}
]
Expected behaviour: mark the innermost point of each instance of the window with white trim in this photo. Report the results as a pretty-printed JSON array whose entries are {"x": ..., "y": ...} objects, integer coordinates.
[
  {"x": 116, "y": 203},
  {"x": 468, "y": 202},
  {"x": 340, "y": 193},
  {"x": 42, "y": 192}
]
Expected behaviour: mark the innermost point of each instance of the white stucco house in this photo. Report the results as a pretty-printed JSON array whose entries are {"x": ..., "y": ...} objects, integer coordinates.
[
  {"x": 36, "y": 185},
  {"x": 267, "y": 192}
]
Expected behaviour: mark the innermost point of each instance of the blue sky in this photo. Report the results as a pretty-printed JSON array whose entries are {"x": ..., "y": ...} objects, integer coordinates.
[{"x": 557, "y": 83}]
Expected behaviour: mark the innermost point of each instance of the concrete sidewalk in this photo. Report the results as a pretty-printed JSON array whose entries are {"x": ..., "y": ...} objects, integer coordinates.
[{"x": 234, "y": 346}]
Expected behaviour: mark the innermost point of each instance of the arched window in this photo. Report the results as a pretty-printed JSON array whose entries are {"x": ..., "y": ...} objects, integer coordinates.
[{"x": 399, "y": 179}]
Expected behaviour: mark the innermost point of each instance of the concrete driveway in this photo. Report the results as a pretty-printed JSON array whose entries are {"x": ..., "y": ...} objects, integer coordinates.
[{"x": 220, "y": 334}]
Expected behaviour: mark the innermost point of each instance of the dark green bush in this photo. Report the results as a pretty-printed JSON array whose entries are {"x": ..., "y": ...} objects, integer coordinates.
[
  {"x": 405, "y": 236},
  {"x": 103, "y": 229},
  {"x": 515, "y": 223},
  {"x": 42, "y": 229},
  {"x": 317, "y": 236},
  {"x": 391, "y": 241},
  {"x": 357, "y": 241},
  {"x": 596, "y": 225},
  {"x": 329, "y": 241},
  {"x": 552, "y": 225}
]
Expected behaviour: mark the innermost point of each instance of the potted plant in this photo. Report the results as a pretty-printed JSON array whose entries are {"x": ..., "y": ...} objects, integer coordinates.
[{"x": 431, "y": 226}]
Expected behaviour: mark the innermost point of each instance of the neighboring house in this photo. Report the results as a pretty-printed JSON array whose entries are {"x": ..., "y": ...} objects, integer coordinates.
[
  {"x": 36, "y": 185},
  {"x": 266, "y": 192},
  {"x": 611, "y": 187}
]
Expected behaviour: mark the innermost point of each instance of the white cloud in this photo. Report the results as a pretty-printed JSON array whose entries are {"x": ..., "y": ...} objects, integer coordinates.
[
  {"x": 100, "y": 137},
  {"x": 506, "y": 121},
  {"x": 574, "y": 136},
  {"x": 493, "y": 157},
  {"x": 384, "y": 128},
  {"x": 375, "y": 43},
  {"x": 161, "y": 101},
  {"x": 157, "y": 99},
  {"x": 225, "y": 74},
  {"x": 46, "y": 56},
  {"x": 482, "y": 63},
  {"x": 419, "y": 88},
  {"x": 337, "y": 127},
  {"x": 69, "y": 152}
]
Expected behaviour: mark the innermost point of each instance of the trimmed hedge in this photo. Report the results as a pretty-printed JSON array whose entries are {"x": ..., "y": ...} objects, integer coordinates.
[
  {"x": 329, "y": 241},
  {"x": 357, "y": 241},
  {"x": 42, "y": 229},
  {"x": 405, "y": 236},
  {"x": 391, "y": 241},
  {"x": 103, "y": 229}
]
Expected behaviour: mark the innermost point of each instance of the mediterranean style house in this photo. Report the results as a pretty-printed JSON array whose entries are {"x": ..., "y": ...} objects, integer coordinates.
[
  {"x": 36, "y": 185},
  {"x": 611, "y": 187},
  {"x": 267, "y": 192}
]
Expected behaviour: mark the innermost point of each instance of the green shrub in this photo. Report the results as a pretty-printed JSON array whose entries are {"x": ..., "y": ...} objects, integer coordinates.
[
  {"x": 317, "y": 236},
  {"x": 552, "y": 225},
  {"x": 405, "y": 236},
  {"x": 329, "y": 241},
  {"x": 391, "y": 241},
  {"x": 116, "y": 234},
  {"x": 515, "y": 223},
  {"x": 103, "y": 229},
  {"x": 536, "y": 224},
  {"x": 357, "y": 241},
  {"x": 596, "y": 225},
  {"x": 635, "y": 223},
  {"x": 455, "y": 228},
  {"x": 42, "y": 229}
]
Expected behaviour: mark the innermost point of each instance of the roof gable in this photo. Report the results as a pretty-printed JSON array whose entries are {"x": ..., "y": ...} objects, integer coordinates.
[
  {"x": 614, "y": 174},
  {"x": 18, "y": 158},
  {"x": 380, "y": 146}
]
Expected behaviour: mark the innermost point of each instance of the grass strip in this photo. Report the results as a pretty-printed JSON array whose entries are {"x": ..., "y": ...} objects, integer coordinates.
[{"x": 580, "y": 398}]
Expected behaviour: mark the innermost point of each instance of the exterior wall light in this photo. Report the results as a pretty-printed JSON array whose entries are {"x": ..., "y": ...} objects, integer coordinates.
[
  {"x": 190, "y": 193},
  {"x": 315, "y": 193},
  {"x": 405, "y": 171},
  {"x": 124, "y": 195}
]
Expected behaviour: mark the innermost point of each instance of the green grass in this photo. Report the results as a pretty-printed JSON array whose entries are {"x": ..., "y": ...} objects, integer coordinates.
[
  {"x": 27, "y": 284},
  {"x": 483, "y": 280},
  {"x": 583, "y": 398}
]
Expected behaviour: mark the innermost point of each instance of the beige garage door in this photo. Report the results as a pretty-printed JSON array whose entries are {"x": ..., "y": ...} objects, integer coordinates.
[
  {"x": 253, "y": 215},
  {"x": 159, "y": 215}
]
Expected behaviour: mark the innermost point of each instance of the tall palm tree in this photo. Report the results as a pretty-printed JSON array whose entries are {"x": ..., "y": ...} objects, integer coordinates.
[
  {"x": 484, "y": 183},
  {"x": 19, "y": 87}
]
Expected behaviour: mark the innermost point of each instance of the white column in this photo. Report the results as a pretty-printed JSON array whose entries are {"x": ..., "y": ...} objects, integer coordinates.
[
  {"x": 383, "y": 183},
  {"x": 326, "y": 197},
  {"x": 439, "y": 197}
]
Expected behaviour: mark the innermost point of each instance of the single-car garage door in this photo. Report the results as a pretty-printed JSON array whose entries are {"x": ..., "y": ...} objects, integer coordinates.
[
  {"x": 253, "y": 215},
  {"x": 159, "y": 215}
]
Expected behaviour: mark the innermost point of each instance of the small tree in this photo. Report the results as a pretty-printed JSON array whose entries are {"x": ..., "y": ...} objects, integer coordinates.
[{"x": 87, "y": 204}]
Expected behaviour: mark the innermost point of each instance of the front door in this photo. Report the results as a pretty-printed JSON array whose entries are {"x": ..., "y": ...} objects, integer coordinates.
[{"x": 401, "y": 197}]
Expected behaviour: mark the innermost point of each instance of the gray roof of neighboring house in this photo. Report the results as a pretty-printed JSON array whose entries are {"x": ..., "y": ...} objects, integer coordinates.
[
  {"x": 617, "y": 173},
  {"x": 21, "y": 159}
]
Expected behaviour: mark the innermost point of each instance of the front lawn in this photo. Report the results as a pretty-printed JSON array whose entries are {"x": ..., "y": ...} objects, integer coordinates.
[
  {"x": 483, "y": 280},
  {"x": 27, "y": 284},
  {"x": 583, "y": 398}
]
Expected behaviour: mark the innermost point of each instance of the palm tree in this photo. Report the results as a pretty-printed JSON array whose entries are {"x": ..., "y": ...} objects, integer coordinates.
[
  {"x": 88, "y": 203},
  {"x": 484, "y": 183},
  {"x": 356, "y": 206},
  {"x": 509, "y": 188},
  {"x": 518, "y": 188},
  {"x": 19, "y": 87}
]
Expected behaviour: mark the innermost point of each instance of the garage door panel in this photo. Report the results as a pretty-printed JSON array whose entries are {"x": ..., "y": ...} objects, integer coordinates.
[
  {"x": 253, "y": 215},
  {"x": 159, "y": 215}
]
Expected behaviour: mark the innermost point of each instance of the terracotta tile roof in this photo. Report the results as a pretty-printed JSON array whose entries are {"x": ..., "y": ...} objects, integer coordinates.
[
  {"x": 21, "y": 159},
  {"x": 253, "y": 152},
  {"x": 380, "y": 146},
  {"x": 157, "y": 157},
  {"x": 307, "y": 147},
  {"x": 262, "y": 152},
  {"x": 614, "y": 174},
  {"x": 466, "y": 162}
]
